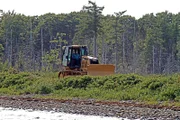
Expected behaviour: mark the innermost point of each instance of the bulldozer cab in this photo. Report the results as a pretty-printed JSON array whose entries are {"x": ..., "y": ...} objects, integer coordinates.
[{"x": 72, "y": 55}]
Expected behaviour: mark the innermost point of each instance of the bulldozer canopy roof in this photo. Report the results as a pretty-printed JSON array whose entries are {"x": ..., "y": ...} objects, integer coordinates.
[{"x": 75, "y": 46}]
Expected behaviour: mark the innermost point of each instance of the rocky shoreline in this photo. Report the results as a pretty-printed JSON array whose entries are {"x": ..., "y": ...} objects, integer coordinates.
[{"x": 123, "y": 109}]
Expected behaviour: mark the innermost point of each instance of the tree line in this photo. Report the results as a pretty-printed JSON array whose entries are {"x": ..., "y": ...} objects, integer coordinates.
[{"x": 148, "y": 45}]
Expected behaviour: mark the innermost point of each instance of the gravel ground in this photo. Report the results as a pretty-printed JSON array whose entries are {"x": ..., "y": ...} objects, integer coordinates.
[{"x": 124, "y": 109}]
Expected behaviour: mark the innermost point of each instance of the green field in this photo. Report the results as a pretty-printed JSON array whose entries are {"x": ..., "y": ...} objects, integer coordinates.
[{"x": 151, "y": 88}]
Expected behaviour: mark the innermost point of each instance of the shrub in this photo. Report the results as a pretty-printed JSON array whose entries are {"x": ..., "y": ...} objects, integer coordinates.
[
  {"x": 109, "y": 84},
  {"x": 169, "y": 92},
  {"x": 167, "y": 95},
  {"x": 115, "y": 87},
  {"x": 128, "y": 79},
  {"x": 58, "y": 86},
  {"x": 155, "y": 85},
  {"x": 84, "y": 82},
  {"x": 45, "y": 90}
]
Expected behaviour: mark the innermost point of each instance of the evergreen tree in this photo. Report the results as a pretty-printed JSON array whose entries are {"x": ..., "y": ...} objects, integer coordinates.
[{"x": 94, "y": 14}]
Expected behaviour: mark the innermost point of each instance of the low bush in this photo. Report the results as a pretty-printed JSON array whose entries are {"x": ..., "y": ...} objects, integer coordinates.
[
  {"x": 115, "y": 87},
  {"x": 45, "y": 90}
]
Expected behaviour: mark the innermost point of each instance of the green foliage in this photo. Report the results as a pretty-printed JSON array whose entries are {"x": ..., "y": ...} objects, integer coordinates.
[
  {"x": 51, "y": 59},
  {"x": 58, "y": 86},
  {"x": 77, "y": 82},
  {"x": 150, "y": 44},
  {"x": 115, "y": 87},
  {"x": 155, "y": 85},
  {"x": 109, "y": 85},
  {"x": 16, "y": 82},
  {"x": 3, "y": 66},
  {"x": 94, "y": 24},
  {"x": 45, "y": 90},
  {"x": 1, "y": 50}
]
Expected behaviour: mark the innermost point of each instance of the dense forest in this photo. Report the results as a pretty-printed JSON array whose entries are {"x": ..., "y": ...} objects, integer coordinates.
[{"x": 148, "y": 45}]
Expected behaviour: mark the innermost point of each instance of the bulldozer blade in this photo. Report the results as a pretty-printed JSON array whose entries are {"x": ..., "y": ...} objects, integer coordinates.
[{"x": 100, "y": 70}]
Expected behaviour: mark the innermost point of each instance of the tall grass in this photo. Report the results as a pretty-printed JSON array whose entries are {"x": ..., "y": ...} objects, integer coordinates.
[{"x": 115, "y": 87}]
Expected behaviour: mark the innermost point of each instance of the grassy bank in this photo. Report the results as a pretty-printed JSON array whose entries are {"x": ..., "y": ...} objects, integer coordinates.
[{"x": 117, "y": 87}]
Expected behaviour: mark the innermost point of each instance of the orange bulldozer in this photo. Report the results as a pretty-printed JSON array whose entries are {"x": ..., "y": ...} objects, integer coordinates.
[{"x": 75, "y": 61}]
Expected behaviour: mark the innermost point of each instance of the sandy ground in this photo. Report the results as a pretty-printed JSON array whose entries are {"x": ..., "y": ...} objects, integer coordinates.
[{"x": 124, "y": 109}]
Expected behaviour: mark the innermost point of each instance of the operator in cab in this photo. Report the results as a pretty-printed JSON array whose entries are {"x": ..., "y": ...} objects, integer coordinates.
[{"x": 76, "y": 58}]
